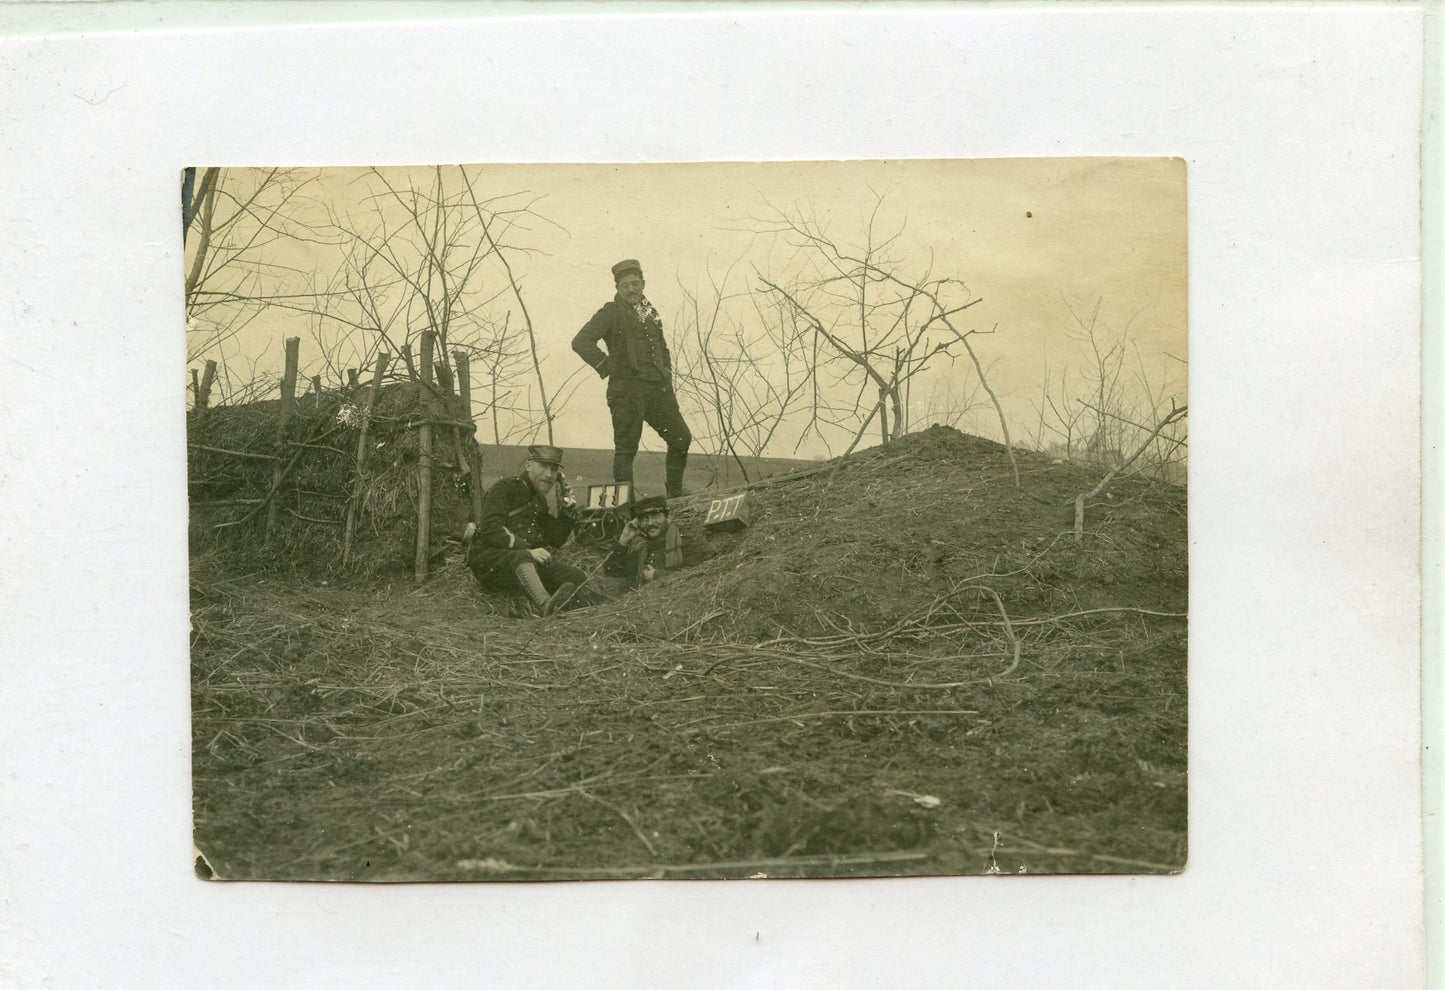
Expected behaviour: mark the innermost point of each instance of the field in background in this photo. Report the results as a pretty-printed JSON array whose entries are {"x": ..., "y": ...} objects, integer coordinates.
[{"x": 594, "y": 467}]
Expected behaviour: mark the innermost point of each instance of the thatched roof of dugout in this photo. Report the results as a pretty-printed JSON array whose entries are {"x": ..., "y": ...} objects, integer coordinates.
[{"x": 233, "y": 453}]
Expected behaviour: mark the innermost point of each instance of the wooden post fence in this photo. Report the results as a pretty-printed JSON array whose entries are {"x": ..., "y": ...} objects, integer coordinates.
[
  {"x": 424, "y": 465},
  {"x": 357, "y": 486},
  {"x": 288, "y": 405}
]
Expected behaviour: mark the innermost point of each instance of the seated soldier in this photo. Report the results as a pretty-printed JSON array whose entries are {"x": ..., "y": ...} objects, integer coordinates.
[
  {"x": 516, "y": 541},
  {"x": 648, "y": 549}
]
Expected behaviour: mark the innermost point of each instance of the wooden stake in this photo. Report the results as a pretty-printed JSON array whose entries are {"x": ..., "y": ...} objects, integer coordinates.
[
  {"x": 283, "y": 423},
  {"x": 444, "y": 377},
  {"x": 316, "y": 390},
  {"x": 203, "y": 396},
  {"x": 464, "y": 380},
  {"x": 357, "y": 486},
  {"x": 469, "y": 441},
  {"x": 423, "y": 470},
  {"x": 450, "y": 433},
  {"x": 353, "y": 377}
]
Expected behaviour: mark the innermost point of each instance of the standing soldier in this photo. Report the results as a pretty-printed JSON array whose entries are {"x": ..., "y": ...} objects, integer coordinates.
[
  {"x": 639, "y": 369},
  {"x": 517, "y": 540}
]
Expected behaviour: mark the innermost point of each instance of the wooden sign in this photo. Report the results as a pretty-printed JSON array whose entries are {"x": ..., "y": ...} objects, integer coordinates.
[
  {"x": 729, "y": 515},
  {"x": 608, "y": 496}
]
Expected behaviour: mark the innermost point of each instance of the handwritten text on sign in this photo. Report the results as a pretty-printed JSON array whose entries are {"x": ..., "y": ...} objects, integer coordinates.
[{"x": 729, "y": 514}]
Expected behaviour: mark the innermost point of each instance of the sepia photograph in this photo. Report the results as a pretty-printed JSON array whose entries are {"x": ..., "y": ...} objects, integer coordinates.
[
  {"x": 681, "y": 521},
  {"x": 720, "y": 495}
]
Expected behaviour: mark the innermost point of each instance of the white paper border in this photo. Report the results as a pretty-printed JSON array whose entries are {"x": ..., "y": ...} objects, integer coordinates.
[{"x": 1299, "y": 126}]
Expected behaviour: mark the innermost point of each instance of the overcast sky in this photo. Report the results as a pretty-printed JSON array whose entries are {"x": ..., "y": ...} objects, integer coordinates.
[{"x": 1025, "y": 235}]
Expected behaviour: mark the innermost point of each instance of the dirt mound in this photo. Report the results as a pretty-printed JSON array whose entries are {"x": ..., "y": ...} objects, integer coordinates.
[{"x": 895, "y": 528}]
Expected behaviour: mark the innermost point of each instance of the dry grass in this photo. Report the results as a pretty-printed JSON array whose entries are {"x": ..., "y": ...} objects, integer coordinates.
[
  {"x": 229, "y": 493},
  {"x": 900, "y": 668}
]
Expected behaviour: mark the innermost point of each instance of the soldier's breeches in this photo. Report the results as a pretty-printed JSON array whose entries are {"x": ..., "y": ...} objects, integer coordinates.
[
  {"x": 634, "y": 402},
  {"x": 497, "y": 568}
]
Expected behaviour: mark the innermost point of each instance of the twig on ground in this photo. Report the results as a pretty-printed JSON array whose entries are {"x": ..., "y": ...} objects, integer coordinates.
[
  {"x": 720, "y": 866},
  {"x": 1094, "y": 611},
  {"x": 1035, "y": 847},
  {"x": 798, "y": 716}
]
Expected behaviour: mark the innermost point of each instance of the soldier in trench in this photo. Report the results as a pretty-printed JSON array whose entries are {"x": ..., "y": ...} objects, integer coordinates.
[{"x": 648, "y": 549}]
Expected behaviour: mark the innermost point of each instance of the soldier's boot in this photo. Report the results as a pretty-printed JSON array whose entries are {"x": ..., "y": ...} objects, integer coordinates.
[
  {"x": 676, "y": 466},
  {"x": 622, "y": 466},
  {"x": 531, "y": 583},
  {"x": 560, "y": 599}
]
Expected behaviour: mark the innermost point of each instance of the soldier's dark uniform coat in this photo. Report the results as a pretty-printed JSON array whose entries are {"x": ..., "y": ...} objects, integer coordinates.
[
  {"x": 634, "y": 349},
  {"x": 516, "y": 519},
  {"x": 627, "y": 563},
  {"x": 638, "y": 369}
]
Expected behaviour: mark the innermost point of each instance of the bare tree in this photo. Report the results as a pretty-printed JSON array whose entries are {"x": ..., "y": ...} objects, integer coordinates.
[
  {"x": 949, "y": 402},
  {"x": 434, "y": 255},
  {"x": 368, "y": 268},
  {"x": 1113, "y": 405},
  {"x": 748, "y": 372},
  {"x": 236, "y": 223},
  {"x": 414, "y": 261},
  {"x": 884, "y": 322},
  {"x": 1174, "y": 416},
  {"x": 497, "y": 358},
  {"x": 1059, "y": 431},
  {"x": 488, "y": 222}
]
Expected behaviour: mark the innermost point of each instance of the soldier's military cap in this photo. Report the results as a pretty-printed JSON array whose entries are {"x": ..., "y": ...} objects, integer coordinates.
[
  {"x": 545, "y": 454},
  {"x": 623, "y": 267},
  {"x": 651, "y": 503}
]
